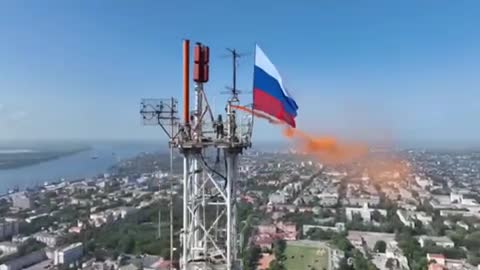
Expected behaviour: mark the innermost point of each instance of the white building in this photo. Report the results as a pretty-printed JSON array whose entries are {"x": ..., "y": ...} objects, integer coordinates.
[
  {"x": 423, "y": 183},
  {"x": 122, "y": 212},
  {"x": 456, "y": 198},
  {"x": 48, "y": 239},
  {"x": 371, "y": 200},
  {"x": 8, "y": 247},
  {"x": 463, "y": 225},
  {"x": 424, "y": 218},
  {"x": 406, "y": 218},
  {"x": 470, "y": 202},
  {"x": 441, "y": 241},
  {"x": 364, "y": 212},
  {"x": 68, "y": 254},
  {"x": 101, "y": 218},
  {"x": 459, "y": 212},
  {"x": 277, "y": 198}
]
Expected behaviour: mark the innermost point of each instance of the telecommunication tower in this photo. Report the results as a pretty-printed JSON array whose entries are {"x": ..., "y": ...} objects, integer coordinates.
[{"x": 209, "y": 235}]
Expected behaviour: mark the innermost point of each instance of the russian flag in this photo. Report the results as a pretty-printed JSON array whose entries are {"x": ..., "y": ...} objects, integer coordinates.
[{"x": 269, "y": 94}]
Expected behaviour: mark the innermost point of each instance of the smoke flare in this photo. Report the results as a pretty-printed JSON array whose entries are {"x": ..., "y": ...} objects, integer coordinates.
[{"x": 326, "y": 149}]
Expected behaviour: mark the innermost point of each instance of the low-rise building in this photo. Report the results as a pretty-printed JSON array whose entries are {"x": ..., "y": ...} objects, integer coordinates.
[
  {"x": 406, "y": 218},
  {"x": 456, "y": 198},
  {"x": 452, "y": 264},
  {"x": 422, "y": 182},
  {"x": 339, "y": 227},
  {"x": 101, "y": 218},
  {"x": 122, "y": 212},
  {"x": 277, "y": 215},
  {"x": 365, "y": 212},
  {"x": 68, "y": 254},
  {"x": 267, "y": 233},
  {"x": 49, "y": 239},
  {"x": 146, "y": 262},
  {"x": 424, "y": 218},
  {"x": 356, "y": 240},
  {"x": 24, "y": 261},
  {"x": 455, "y": 212},
  {"x": 264, "y": 241},
  {"x": 328, "y": 199},
  {"x": 441, "y": 241},
  {"x": 371, "y": 200},
  {"x": 436, "y": 258},
  {"x": 448, "y": 223},
  {"x": 277, "y": 198},
  {"x": 288, "y": 230},
  {"x": 8, "y": 247},
  {"x": 267, "y": 229}
]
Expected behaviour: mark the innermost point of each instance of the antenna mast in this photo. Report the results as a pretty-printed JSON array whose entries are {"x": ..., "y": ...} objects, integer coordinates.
[
  {"x": 163, "y": 112},
  {"x": 209, "y": 236},
  {"x": 235, "y": 56}
]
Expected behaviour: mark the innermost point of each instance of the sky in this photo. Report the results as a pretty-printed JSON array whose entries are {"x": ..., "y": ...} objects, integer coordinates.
[{"x": 399, "y": 71}]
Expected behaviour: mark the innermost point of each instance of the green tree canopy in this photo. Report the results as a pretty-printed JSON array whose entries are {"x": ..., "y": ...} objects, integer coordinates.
[{"x": 380, "y": 246}]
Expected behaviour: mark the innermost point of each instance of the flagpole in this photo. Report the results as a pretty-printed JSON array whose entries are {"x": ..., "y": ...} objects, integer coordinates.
[{"x": 253, "y": 84}]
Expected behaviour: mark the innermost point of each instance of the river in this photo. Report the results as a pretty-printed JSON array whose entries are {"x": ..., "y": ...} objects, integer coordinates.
[{"x": 88, "y": 163}]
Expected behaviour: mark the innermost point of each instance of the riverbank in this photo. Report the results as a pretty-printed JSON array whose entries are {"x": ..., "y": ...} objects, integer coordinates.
[
  {"x": 18, "y": 158},
  {"x": 75, "y": 166}
]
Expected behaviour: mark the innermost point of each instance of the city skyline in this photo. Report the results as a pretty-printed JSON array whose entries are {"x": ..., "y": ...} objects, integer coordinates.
[{"x": 395, "y": 72}]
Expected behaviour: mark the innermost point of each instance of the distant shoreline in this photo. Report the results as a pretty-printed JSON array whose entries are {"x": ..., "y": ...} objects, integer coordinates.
[
  {"x": 77, "y": 161},
  {"x": 13, "y": 159}
]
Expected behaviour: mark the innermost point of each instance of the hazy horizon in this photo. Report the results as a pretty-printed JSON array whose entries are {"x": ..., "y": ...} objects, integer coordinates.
[{"x": 257, "y": 144}]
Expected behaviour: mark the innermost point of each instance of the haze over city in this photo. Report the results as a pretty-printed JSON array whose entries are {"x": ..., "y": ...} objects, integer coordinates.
[{"x": 371, "y": 70}]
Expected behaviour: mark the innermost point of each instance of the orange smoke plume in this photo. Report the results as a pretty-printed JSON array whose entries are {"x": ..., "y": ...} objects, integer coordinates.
[
  {"x": 326, "y": 149},
  {"x": 329, "y": 150}
]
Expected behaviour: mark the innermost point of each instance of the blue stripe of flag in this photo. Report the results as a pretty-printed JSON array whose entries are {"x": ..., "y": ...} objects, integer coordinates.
[{"x": 263, "y": 81}]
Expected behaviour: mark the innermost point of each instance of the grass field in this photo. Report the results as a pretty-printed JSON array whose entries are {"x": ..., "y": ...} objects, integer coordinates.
[{"x": 303, "y": 258}]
